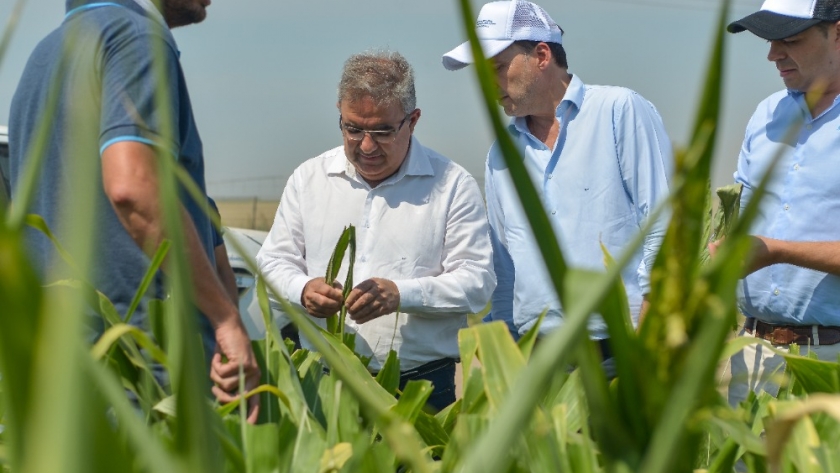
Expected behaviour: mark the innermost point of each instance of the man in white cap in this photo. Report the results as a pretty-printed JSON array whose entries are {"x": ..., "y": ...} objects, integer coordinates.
[
  {"x": 791, "y": 293},
  {"x": 598, "y": 155}
]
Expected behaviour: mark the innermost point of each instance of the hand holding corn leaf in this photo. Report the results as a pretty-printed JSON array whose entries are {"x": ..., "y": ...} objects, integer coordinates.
[{"x": 335, "y": 323}]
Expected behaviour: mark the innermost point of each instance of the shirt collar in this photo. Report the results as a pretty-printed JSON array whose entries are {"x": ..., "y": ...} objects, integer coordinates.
[
  {"x": 799, "y": 98},
  {"x": 417, "y": 163},
  {"x": 573, "y": 96}
]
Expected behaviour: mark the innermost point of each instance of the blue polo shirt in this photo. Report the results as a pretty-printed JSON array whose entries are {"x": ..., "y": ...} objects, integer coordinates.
[
  {"x": 801, "y": 204},
  {"x": 118, "y": 76},
  {"x": 609, "y": 169}
]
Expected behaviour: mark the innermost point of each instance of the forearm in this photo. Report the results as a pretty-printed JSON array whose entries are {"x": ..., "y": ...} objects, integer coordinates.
[
  {"x": 225, "y": 273},
  {"x": 817, "y": 255},
  {"x": 281, "y": 259},
  {"x": 466, "y": 289},
  {"x": 131, "y": 185},
  {"x": 210, "y": 295},
  {"x": 467, "y": 280},
  {"x": 287, "y": 276},
  {"x": 143, "y": 219}
]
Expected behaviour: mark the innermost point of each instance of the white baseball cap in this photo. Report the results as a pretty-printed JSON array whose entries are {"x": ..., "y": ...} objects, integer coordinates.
[
  {"x": 499, "y": 24},
  {"x": 779, "y": 19}
]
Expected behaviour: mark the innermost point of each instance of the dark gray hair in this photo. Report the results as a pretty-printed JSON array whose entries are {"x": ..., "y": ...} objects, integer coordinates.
[
  {"x": 384, "y": 76},
  {"x": 557, "y": 51}
]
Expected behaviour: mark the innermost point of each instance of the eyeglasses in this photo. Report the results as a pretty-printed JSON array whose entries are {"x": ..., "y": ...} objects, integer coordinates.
[{"x": 380, "y": 136}]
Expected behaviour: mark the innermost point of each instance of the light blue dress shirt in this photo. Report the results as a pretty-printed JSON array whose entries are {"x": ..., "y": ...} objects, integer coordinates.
[
  {"x": 802, "y": 204},
  {"x": 609, "y": 169}
]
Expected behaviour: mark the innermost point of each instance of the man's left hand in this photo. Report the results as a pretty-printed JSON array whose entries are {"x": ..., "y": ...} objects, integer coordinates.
[{"x": 372, "y": 298}]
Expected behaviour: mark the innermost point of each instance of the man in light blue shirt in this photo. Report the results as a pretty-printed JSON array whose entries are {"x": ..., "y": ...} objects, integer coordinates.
[
  {"x": 599, "y": 157},
  {"x": 792, "y": 291}
]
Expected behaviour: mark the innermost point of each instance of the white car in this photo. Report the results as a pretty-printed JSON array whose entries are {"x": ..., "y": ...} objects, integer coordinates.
[{"x": 249, "y": 308}]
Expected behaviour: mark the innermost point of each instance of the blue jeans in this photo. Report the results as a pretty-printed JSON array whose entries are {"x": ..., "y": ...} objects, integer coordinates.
[{"x": 442, "y": 375}]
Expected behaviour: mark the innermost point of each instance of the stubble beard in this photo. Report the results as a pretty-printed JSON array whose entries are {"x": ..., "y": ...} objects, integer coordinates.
[
  {"x": 523, "y": 104},
  {"x": 183, "y": 12}
]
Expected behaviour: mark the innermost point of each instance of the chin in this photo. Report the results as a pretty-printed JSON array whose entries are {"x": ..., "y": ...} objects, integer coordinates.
[
  {"x": 183, "y": 16},
  {"x": 509, "y": 111}
]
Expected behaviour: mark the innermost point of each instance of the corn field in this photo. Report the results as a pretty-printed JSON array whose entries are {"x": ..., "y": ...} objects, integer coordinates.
[{"x": 71, "y": 407}]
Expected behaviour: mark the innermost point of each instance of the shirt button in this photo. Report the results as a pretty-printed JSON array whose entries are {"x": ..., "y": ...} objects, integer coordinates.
[
  {"x": 795, "y": 167},
  {"x": 776, "y": 292},
  {"x": 787, "y": 207},
  {"x": 553, "y": 212},
  {"x": 550, "y": 176}
]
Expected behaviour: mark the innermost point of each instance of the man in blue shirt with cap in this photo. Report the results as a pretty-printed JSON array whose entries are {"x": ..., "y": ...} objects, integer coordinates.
[
  {"x": 791, "y": 293},
  {"x": 598, "y": 155},
  {"x": 112, "y": 71}
]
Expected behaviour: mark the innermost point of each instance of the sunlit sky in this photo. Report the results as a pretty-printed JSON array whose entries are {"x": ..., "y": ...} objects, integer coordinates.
[{"x": 262, "y": 74}]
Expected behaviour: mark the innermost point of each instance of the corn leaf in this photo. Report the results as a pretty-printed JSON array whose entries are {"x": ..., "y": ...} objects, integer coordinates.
[
  {"x": 333, "y": 267},
  {"x": 389, "y": 376},
  {"x": 151, "y": 272}
]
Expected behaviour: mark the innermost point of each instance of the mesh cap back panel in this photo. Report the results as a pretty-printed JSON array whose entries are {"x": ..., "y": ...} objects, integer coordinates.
[
  {"x": 828, "y": 10},
  {"x": 530, "y": 20}
]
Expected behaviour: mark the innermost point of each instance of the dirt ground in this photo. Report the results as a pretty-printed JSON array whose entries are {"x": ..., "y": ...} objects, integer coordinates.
[{"x": 248, "y": 213}]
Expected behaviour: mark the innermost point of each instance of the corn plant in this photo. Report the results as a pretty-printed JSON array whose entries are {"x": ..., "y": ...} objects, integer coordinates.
[{"x": 335, "y": 323}]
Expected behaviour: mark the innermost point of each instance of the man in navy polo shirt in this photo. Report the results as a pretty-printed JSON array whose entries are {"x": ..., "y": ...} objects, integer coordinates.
[
  {"x": 122, "y": 100},
  {"x": 792, "y": 291}
]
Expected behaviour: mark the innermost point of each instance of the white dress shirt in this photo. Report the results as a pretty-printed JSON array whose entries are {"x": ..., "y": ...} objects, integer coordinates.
[{"x": 425, "y": 228}]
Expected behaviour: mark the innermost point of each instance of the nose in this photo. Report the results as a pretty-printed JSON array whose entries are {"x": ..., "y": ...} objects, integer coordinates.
[
  {"x": 776, "y": 51},
  {"x": 368, "y": 145}
]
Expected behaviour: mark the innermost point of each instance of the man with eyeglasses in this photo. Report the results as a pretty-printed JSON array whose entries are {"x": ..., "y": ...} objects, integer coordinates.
[{"x": 423, "y": 251}]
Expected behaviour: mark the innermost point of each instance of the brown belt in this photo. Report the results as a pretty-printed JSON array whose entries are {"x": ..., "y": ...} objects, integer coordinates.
[{"x": 813, "y": 335}]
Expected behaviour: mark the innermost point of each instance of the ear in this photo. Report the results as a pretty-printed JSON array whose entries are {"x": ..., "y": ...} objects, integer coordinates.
[
  {"x": 837, "y": 35},
  {"x": 543, "y": 53},
  {"x": 415, "y": 117}
]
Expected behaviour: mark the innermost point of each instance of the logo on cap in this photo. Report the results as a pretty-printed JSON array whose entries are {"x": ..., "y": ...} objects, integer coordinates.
[{"x": 484, "y": 23}]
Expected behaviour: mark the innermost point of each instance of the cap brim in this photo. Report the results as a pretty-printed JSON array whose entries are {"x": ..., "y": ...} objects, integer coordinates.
[
  {"x": 461, "y": 56},
  {"x": 771, "y": 26}
]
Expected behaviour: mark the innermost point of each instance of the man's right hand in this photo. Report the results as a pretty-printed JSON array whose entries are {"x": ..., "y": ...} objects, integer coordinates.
[
  {"x": 320, "y": 299},
  {"x": 232, "y": 341},
  {"x": 760, "y": 255}
]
